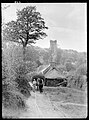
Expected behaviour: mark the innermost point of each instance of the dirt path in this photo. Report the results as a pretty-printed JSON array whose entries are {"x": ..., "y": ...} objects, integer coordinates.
[{"x": 39, "y": 106}]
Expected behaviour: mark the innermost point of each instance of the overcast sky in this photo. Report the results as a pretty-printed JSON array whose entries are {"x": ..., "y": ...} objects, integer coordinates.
[{"x": 67, "y": 23}]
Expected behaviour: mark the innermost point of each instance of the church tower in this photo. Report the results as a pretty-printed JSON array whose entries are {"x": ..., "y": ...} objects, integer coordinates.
[{"x": 53, "y": 51}]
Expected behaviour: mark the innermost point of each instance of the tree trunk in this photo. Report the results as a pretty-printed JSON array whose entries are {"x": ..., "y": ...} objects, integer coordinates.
[{"x": 24, "y": 51}]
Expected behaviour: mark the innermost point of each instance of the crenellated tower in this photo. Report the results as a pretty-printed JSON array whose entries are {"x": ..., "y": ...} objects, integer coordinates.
[{"x": 53, "y": 51}]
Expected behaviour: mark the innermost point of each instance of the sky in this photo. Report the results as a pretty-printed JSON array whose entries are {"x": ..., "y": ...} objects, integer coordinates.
[{"x": 67, "y": 23}]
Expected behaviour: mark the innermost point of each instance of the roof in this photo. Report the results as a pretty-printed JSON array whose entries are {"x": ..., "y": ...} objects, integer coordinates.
[
  {"x": 51, "y": 72},
  {"x": 42, "y": 68}
]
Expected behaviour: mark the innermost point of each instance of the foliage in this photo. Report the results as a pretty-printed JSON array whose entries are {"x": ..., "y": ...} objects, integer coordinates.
[
  {"x": 62, "y": 68},
  {"x": 21, "y": 70},
  {"x": 24, "y": 68},
  {"x": 38, "y": 63},
  {"x": 28, "y": 28},
  {"x": 59, "y": 55},
  {"x": 69, "y": 66},
  {"x": 82, "y": 58},
  {"x": 64, "y": 56},
  {"x": 31, "y": 54},
  {"x": 23, "y": 85},
  {"x": 14, "y": 100},
  {"x": 82, "y": 69},
  {"x": 11, "y": 97},
  {"x": 78, "y": 78},
  {"x": 4, "y": 70},
  {"x": 30, "y": 75},
  {"x": 14, "y": 68}
]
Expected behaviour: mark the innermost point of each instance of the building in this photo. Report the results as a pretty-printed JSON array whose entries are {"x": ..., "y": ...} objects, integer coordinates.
[{"x": 51, "y": 73}]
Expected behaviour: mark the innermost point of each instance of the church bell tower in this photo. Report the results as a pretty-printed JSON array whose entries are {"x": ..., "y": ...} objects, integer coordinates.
[{"x": 53, "y": 51}]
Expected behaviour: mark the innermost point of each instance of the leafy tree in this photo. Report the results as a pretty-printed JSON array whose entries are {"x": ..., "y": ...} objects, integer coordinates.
[
  {"x": 69, "y": 66},
  {"x": 38, "y": 63},
  {"x": 45, "y": 54},
  {"x": 28, "y": 28},
  {"x": 31, "y": 54},
  {"x": 29, "y": 67},
  {"x": 78, "y": 78},
  {"x": 82, "y": 70},
  {"x": 80, "y": 61},
  {"x": 59, "y": 55},
  {"x": 62, "y": 68}
]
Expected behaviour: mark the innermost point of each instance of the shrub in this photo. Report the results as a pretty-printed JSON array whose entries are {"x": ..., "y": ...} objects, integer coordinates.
[
  {"x": 14, "y": 100},
  {"x": 82, "y": 69},
  {"x": 24, "y": 67},
  {"x": 30, "y": 75},
  {"x": 23, "y": 85},
  {"x": 11, "y": 97},
  {"x": 77, "y": 80}
]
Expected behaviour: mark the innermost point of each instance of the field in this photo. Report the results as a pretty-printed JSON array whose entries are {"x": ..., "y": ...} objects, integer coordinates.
[{"x": 70, "y": 101}]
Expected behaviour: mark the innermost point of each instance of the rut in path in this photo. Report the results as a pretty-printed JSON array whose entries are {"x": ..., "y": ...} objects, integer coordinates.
[{"x": 39, "y": 106}]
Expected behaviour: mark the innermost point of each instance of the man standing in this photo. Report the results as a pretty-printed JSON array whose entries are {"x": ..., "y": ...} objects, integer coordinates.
[
  {"x": 37, "y": 84},
  {"x": 41, "y": 85}
]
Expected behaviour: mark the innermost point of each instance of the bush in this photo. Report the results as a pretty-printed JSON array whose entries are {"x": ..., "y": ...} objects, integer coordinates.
[
  {"x": 82, "y": 69},
  {"x": 22, "y": 78},
  {"x": 11, "y": 97},
  {"x": 62, "y": 68},
  {"x": 77, "y": 80},
  {"x": 69, "y": 66},
  {"x": 24, "y": 67},
  {"x": 15, "y": 89},
  {"x": 23, "y": 85},
  {"x": 30, "y": 75},
  {"x": 14, "y": 100},
  {"x": 4, "y": 70}
]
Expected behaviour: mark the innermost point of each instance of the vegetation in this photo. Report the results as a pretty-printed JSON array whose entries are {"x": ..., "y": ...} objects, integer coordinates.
[
  {"x": 78, "y": 78},
  {"x": 26, "y": 29},
  {"x": 69, "y": 100},
  {"x": 71, "y": 63},
  {"x": 18, "y": 59}
]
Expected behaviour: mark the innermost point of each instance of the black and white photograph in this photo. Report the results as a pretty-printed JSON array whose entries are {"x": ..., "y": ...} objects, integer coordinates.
[{"x": 44, "y": 60}]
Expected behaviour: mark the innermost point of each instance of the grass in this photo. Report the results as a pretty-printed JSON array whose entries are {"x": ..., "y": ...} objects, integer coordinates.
[
  {"x": 71, "y": 101},
  {"x": 74, "y": 111},
  {"x": 66, "y": 94}
]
